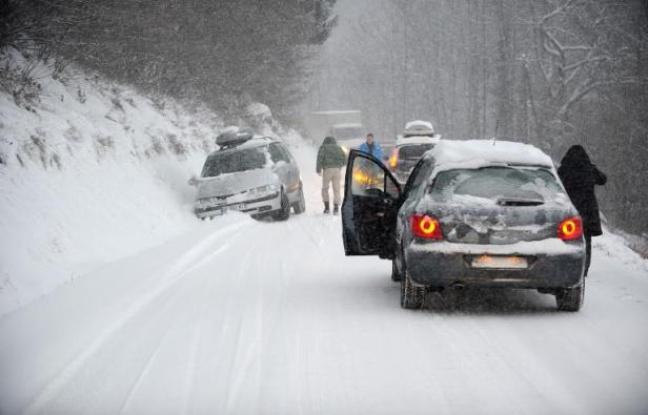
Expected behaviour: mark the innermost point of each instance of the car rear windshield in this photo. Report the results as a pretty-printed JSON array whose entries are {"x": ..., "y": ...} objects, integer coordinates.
[
  {"x": 235, "y": 161},
  {"x": 497, "y": 184},
  {"x": 414, "y": 152}
]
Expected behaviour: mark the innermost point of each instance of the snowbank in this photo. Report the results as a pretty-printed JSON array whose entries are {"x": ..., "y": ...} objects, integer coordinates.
[{"x": 91, "y": 171}]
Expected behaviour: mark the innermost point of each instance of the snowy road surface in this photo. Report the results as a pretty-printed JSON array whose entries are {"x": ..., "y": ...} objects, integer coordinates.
[{"x": 237, "y": 316}]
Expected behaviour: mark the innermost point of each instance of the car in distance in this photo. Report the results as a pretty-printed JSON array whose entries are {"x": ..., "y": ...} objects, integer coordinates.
[
  {"x": 251, "y": 174},
  {"x": 417, "y": 138},
  {"x": 472, "y": 213}
]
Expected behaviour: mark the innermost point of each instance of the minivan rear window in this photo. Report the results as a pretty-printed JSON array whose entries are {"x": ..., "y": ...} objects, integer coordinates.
[
  {"x": 496, "y": 183},
  {"x": 414, "y": 152},
  {"x": 235, "y": 161}
]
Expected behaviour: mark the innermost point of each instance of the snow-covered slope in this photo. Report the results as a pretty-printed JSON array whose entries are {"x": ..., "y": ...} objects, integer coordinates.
[{"x": 90, "y": 171}]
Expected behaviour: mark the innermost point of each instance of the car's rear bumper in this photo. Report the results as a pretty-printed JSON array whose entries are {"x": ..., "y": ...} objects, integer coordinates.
[
  {"x": 551, "y": 264},
  {"x": 257, "y": 206}
]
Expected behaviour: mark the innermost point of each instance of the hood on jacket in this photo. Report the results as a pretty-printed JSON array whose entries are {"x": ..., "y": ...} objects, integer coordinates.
[{"x": 576, "y": 158}]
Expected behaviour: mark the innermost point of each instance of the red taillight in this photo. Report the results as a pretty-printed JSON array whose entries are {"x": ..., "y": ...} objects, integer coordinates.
[
  {"x": 393, "y": 159},
  {"x": 426, "y": 227},
  {"x": 570, "y": 229}
]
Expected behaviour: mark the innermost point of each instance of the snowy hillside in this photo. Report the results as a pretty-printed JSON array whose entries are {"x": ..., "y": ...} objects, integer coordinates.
[{"x": 90, "y": 171}]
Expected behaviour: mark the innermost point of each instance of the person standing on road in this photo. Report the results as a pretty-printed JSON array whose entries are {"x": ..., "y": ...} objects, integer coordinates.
[
  {"x": 330, "y": 160},
  {"x": 371, "y": 147},
  {"x": 579, "y": 176}
]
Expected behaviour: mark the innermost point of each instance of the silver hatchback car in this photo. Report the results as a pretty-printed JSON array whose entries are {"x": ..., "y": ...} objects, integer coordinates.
[
  {"x": 472, "y": 213},
  {"x": 251, "y": 174}
]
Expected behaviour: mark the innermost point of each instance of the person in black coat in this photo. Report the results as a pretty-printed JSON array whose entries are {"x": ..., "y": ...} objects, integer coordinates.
[{"x": 579, "y": 176}]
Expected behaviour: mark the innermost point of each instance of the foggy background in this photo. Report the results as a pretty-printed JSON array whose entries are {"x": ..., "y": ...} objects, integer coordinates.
[{"x": 551, "y": 73}]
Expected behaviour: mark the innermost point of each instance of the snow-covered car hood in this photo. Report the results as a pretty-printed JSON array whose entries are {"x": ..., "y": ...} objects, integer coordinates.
[{"x": 233, "y": 183}]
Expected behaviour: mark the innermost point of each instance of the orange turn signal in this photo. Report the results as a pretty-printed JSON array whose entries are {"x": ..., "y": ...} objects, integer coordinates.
[{"x": 393, "y": 159}]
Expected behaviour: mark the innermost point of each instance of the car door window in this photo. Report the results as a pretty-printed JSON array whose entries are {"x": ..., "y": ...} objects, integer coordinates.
[
  {"x": 370, "y": 207},
  {"x": 368, "y": 178}
]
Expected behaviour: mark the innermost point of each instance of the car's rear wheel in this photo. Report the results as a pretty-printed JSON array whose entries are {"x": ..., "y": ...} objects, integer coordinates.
[
  {"x": 571, "y": 299},
  {"x": 412, "y": 297},
  {"x": 300, "y": 206},
  {"x": 284, "y": 212},
  {"x": 395, "y": 274},
  {"x": 397, "y": 266}
]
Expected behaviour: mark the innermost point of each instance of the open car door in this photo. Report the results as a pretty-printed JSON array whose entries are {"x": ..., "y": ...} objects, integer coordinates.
[{"x": 371, "y": 202}]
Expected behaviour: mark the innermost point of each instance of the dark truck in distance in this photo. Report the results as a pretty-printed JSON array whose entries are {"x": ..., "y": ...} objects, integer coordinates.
[{"x": 472, "y": 213}]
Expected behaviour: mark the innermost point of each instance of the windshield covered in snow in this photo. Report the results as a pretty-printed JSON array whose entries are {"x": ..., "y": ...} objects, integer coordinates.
[
  {"x": 494, "y": 184},
  {"x": 235, "y": 161}
]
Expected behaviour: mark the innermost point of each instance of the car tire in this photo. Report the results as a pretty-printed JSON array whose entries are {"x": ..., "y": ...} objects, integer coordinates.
[
  {"x": 395, "y": 274},
  {"x": 412, "y": 298},
  {"x": 284, "y": 212},
  {"x": 300, "y": 206},
  {"x": 571, "y": 299}
]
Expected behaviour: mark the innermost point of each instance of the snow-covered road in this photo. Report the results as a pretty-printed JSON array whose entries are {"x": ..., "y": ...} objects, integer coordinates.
[{"x": 237, "y": 316}]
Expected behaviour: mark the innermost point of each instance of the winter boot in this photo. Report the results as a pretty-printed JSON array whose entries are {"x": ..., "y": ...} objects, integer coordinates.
[
  {"x": 336, "y": 209},
  {"x": 326, "y": 208}
]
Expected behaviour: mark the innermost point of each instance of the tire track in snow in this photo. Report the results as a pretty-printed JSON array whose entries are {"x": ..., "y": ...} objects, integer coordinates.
[
  {"x": 190, "y": 374},
  {"x": 178, "y": 270},
  {"x": 144, "y": 372},
  {"x": 254, "y": 336},
  {"x": 169, "y": 306},
  {"x": 191, "y": 311},
  {"x": 236, "y": 376}
]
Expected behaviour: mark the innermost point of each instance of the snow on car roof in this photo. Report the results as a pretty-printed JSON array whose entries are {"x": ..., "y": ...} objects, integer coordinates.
[
  {"x": 336, "y": 112},
  {"x": 256, "y": 141},
  {"x": 476, "y": 153},
  {"x": 414, "y": 125}
]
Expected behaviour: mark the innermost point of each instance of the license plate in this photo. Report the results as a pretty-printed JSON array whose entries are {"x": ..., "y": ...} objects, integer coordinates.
[
  {"x": 240, "y": 206},
  {"x": 499, "y": 262}
]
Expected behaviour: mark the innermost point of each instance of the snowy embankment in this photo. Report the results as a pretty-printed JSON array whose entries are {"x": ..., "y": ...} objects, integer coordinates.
[{"x": 89, "y": 171}]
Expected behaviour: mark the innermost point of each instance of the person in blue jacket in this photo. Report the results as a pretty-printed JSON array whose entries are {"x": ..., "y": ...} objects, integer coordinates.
[{"x": 371, "y": 147}]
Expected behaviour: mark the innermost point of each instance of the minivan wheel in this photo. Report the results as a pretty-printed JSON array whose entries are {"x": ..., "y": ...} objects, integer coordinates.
[
  {"x": 412, "y": 298},
  {"x": 571, "y": 299},
  {"x": 284, "y": 212},
  {"x": 300, "y": 206}
]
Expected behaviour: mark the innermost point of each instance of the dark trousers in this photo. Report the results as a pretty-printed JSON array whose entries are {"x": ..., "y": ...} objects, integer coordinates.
[{"x": 588, "y": 251}]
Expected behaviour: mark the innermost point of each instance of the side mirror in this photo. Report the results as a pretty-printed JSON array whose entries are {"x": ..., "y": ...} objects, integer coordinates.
[{"x": 193, "y": 181}]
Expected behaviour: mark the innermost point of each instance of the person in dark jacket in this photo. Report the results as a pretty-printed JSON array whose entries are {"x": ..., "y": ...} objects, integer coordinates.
[
  {"x": 579, "y": 177},
  {"x": 330, "y": 160}
]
